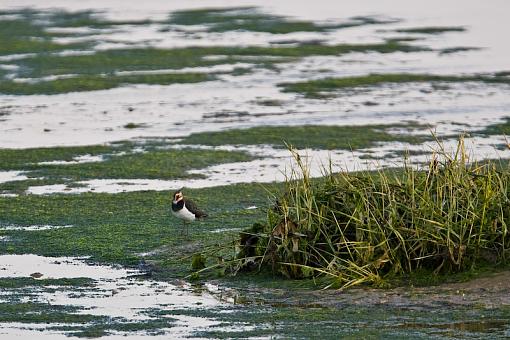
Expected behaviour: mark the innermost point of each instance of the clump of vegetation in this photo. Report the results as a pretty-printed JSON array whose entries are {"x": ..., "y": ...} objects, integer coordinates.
[{"x": 366, "y": 228}]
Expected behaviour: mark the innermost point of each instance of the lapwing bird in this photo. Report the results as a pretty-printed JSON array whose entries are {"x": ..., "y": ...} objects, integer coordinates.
[{"x": 185, "y": 209}]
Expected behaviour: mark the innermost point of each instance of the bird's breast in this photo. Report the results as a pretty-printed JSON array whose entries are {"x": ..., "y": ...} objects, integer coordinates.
[
  {"x": 184, "y": 214},
  {"x": 176, "y": 206}
]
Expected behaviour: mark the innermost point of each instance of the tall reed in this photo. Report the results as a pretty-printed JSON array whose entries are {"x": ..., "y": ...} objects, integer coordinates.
[{"x": 362, "y": 227}]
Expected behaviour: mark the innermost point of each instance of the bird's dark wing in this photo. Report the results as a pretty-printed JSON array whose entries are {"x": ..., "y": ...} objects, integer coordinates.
[{"x": 194, "y": 209}]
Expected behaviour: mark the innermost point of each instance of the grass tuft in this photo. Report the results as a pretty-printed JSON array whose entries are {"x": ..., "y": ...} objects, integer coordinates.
[{"x": 366, "y": 228}]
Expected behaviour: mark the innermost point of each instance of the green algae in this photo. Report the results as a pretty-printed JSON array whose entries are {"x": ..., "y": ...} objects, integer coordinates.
[
  {"x": 251, "y": 19},
  {"x": 432, "y": 29},
  {"x": 308, "y": 136},
  {"x": 136, "y": 59},
  {"x": 501, "y": 128},
  {"x": 23, "y": 35},
  {"x": 97, "y": 82},
  {"x": 451, "y": 50},
  {"x": 35, "y": 34},
  {"x": 100, "y": 70},
  {"x": 115, "y": 228},
  {"x": 32, "y": 312},
  {"x": 71, "y": 321},
  {"x": 314, "y": 88},
  {"x": 168, "y": 164},
  {"x": 349, "y": 321},
  {"x": 23, "y": 282},
  {"x": 120, "y": 161},
  {"x": 12, "y": 159}
]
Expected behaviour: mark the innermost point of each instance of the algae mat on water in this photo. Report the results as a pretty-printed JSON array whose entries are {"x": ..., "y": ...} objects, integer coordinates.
[
  {"x": 323, "y": 88},
  {"x": 123, "y": 160},
  {"x": 117, "y": 227},
  {"x": 311, "y": 136},
  {"x": 251, "y": 19}
]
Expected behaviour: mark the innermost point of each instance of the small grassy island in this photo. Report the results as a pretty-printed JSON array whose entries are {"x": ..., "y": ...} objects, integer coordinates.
[{"x": 380, "y": 227}]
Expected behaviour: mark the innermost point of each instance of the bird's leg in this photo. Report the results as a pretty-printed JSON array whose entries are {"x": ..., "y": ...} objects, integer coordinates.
[{"x": 186, "y": 228}]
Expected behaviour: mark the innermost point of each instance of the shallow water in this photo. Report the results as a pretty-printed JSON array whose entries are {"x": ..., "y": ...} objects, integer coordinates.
[
  {"x": 9, "y": 176},
  {"x": 274, "y": 166},
  {"x": 116, "y": 293},
  {"x": 99, "y": 116}
]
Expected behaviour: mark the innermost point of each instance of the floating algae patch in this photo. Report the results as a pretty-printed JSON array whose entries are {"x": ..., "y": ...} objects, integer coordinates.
[
  {"x": 25, "y": 33},
  {"x": 450, "y": 50},
  {"x": 114, "y": 228},
  {"x": 30, "y": 282},
  {"x": 97, "y": 82},
  {"x": 11, "y": 159},
  {"x": 251, "y": 19},
  {"x": 88, "y": 18},
  {"x": 168, "y": 164},
  {"x": 501, "y": 128},
  {"x": 122, "y": 161},
  {"x": 108, "y": 61},
  {"x": 134, "y": 59},
  {"x": 20, "y": 187},
  {"x": 322, "y": 87},
  {"x": 432, "y": 29},
  {"x": 308, "y": 136}
]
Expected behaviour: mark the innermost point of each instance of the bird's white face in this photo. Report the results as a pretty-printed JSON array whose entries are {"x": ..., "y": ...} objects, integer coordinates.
[{"x": 177, "y": 196}]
